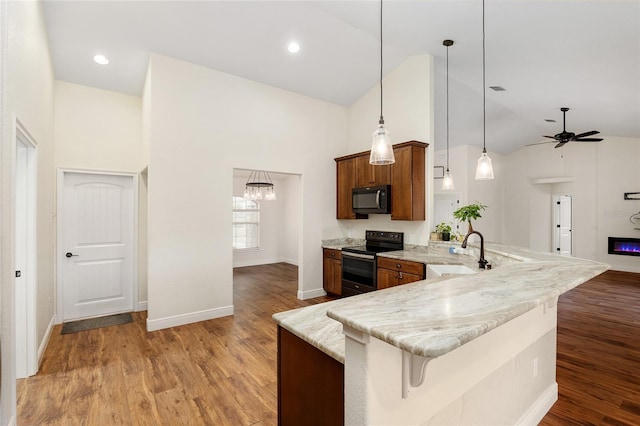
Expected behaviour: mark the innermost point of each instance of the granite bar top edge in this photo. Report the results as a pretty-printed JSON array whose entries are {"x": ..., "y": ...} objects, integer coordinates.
[{"x": 435, "y": 322}]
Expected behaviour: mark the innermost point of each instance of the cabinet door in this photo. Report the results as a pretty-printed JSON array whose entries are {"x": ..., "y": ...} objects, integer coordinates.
[
  {"x": 387, "y": 278},
  {"x": 408, "y": 184},
  {"x": 404, "y": 278},
  {"x": 332, "y": 276},
  {"x": 345, "y": 179},
  {"x": 368, "y": 175}
]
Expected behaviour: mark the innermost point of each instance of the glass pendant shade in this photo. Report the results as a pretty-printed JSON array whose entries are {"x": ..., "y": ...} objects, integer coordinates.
[
  {"x": 447, "y": 182},
  {"x": 381, "y": 147},
  {"x": 485, "y": 169}
]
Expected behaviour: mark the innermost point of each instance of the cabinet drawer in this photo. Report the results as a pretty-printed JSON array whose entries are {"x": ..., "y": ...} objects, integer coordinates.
[
  {"x": 416, "y": 268},
  {"x": 332, "y": 254}
]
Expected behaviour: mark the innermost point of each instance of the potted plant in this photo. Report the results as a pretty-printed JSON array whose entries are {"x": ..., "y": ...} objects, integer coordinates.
[
  {"x": 469, "y": 213},
  {"x": 444, "y": 230}
]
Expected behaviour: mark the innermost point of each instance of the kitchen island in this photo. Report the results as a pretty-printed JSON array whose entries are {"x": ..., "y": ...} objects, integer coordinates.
[{"x": 453, "y": 350}]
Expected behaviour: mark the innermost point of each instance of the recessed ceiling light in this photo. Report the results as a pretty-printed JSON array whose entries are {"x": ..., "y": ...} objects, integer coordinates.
[
  {"x": 294, "y": 47},
  {"x": 101, "y": 59},
  {"x": 498, "y": 88},
  {"x": 549, "y": 120}
]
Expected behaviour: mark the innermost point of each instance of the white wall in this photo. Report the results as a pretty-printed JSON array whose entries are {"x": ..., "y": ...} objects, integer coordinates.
[
  {"x": 278, "y": 228},
  {"x": 98, "y": 129},
  {"x": 603, "y": 172},
  {"x": 202, "y": 124},
  {"x": 462, "y": 165},
  {"x": 408, "y": 115},
  {"x": 27, "y": 92}
]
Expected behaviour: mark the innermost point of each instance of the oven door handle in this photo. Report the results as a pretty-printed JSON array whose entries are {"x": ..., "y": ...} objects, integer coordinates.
[
  {"x": 378, "y": 198},
  {"x": 358, "y": 255}
]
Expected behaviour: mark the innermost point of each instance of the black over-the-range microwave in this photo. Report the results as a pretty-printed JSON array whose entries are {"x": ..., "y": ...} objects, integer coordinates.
[{"x": 372, "y": 199}]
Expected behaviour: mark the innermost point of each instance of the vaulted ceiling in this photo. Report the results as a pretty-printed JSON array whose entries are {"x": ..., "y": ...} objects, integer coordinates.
[{"x": 546, "y": 54}]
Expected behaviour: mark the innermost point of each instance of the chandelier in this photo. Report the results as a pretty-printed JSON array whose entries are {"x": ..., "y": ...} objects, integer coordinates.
[{"x": 259, "y": 186}]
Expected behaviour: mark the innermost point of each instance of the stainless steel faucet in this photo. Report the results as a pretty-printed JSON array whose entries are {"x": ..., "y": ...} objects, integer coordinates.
[{"x": 482, "y": 263}]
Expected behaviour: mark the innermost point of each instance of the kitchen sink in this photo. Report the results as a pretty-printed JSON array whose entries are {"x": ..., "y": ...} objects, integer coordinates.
[{"x": 434, "y": 271}]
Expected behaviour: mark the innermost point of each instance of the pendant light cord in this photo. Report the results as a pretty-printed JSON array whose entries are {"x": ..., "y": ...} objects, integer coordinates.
[
  {"x": 447, "y": 108},
  {"x": 381, "y": 119},
  {"x": 484, "y": 95}
]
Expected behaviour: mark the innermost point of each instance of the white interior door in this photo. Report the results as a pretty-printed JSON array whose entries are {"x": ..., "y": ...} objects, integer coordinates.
[
  {"x": 562, "y": 225},
  {"x": 25, "y": 254},
  {"x": 445, "y": 203},
  {"x": 96, "y": 252}
]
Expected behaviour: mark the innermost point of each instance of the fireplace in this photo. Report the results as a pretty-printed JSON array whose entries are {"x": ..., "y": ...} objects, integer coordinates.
[{"x": 624, "y": 246}]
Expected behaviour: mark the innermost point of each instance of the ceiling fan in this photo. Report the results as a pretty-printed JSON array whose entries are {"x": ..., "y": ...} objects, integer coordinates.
[{"x": 565, "y": 136}]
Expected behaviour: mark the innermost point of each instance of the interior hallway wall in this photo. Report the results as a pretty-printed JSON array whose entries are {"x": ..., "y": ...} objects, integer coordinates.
[
  {"x": 201, "y": 125},
  {"x": 27, "y": 93},
  {"x": 601, "y": 172}
]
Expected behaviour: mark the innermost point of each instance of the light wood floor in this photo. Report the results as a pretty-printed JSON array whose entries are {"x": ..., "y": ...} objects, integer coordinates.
[
  {"x": 217, "y": 372},
  {"x": 223, "y": 371}
]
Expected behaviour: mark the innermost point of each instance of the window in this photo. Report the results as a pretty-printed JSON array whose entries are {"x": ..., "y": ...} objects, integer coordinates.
[{"x": 246, "y": 223}]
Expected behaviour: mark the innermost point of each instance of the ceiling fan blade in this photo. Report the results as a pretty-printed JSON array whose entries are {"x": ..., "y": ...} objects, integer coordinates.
[
  {"x": 589, "y": 140},
  {"x": 582, "y": 135},
  {"x": 550, "y": 137},
  {"x": 561, "y": 144}
]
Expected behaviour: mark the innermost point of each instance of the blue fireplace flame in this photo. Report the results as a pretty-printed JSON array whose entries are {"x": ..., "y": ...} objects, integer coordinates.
[{"x": 624, "y": 246}]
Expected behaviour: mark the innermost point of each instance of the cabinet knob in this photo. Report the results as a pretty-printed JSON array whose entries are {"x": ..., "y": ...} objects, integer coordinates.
[
  {"x": 333, "y": 254},
  {"x": 398, "y": 266},
  {"x": 400, "y": 275}
]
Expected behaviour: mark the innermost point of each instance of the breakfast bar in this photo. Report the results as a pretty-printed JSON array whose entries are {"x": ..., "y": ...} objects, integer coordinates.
[{"x": 448, "y": 350}]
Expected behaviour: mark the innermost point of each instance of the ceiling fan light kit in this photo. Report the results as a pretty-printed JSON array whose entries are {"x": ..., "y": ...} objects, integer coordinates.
[
  {"x": 484, "y": 171},
  {"x": 565, "y": 137}
]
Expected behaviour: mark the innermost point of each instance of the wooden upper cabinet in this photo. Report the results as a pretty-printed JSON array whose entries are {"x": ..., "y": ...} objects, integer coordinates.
[
  {"x": 346, "y": 180},
  {"x": 408, "y": 181},
  {"x": 406, "y": 177},
  {"x": 370, "y": 175}
]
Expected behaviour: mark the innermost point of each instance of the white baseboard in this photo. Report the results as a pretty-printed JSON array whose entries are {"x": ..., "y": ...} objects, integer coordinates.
[
  {"x": 142, "y": 306},
  {"x": 45, "y": 342},
  {"x": 191, "y": 317},
  {"x": 540, "y": 407},
  {"x": 243, "y": 263},
  {"x": 310, "y": 294},
  {"x": 625, "y": 268}
]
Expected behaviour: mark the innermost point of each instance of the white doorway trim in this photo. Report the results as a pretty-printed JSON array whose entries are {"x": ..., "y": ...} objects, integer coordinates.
[
  {"x": 24, "y": 228},
  {"x": 60, "y": 249}
]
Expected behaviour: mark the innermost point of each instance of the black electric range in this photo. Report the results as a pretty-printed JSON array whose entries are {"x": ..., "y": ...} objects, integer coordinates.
[{"x": 359, "y": 269}]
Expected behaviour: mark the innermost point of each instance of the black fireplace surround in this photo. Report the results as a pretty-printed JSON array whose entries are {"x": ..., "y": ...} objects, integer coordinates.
[{"x": 624, "y": 246}]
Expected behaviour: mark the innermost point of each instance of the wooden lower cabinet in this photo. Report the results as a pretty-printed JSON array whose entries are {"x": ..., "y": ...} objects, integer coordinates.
[
  {"x": 393, "y": 272},
  {"x": 332, "y": 271},
  {"x": 310, "y": 384}
]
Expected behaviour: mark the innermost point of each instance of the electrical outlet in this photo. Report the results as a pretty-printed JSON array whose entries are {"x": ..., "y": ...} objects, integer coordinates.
[{"x": 535, "y": 368}]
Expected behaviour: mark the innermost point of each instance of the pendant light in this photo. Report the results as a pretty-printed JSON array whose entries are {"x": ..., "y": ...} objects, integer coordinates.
[
  {"x": 381, "y": 149},
  {"x": 485, "y": 169},
  {"x": 447, "y": 181}
]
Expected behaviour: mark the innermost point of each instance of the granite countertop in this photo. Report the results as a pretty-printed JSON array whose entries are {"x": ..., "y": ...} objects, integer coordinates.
[
  {"x": 340, "y": 243},
  {"x": 435, "y": 316}
]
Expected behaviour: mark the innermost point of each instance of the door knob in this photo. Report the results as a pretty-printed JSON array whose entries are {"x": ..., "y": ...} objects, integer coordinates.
[{"x": 69, "y": 254}]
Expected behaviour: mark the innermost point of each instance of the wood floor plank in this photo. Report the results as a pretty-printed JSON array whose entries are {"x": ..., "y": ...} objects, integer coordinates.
[
  {"x": 223, "y": 371},
  {"x": 219, "y": 372}
]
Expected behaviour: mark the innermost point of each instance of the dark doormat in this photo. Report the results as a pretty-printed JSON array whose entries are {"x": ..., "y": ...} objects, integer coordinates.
[{"x": 91, "y": 323}]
